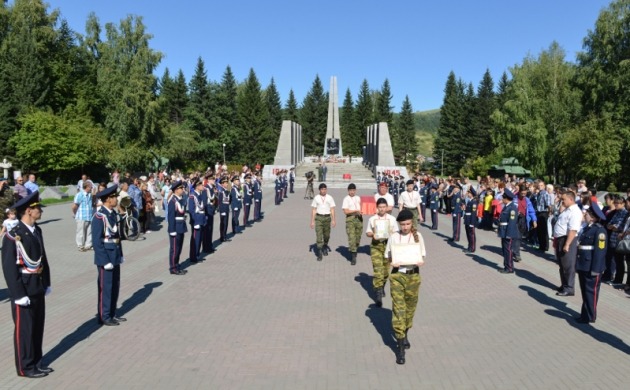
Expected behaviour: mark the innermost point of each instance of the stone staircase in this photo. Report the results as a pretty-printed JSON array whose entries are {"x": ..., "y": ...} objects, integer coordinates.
[{"x": 359, "y": 175}]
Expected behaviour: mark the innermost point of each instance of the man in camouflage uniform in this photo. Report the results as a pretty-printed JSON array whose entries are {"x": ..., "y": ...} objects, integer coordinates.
[
  {"x": 322, "y": 215},
  {"x": 380, "y": 227},
  {"x": 6, "y": 198},
  {"x": 354, "y": 220}
]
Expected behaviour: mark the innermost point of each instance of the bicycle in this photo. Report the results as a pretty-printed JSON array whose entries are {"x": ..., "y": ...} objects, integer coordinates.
[{"x": 130, "y": 225}]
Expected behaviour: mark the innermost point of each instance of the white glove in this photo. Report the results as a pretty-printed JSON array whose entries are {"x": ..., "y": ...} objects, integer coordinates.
[
  {"x": 109, "y": 266},
  {"x": 172, "y": 234},
  {"x": 223, "y": 213},
  {"x": 48, "y": 291},
  {"x": 197, "y": 227},
  {"x": 24, "y": 301},
  {"x": 122, "y": 259},
  {"x": 236, "y": 209}
]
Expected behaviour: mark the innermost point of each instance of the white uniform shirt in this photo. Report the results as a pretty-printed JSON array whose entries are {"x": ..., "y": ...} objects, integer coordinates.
[
  {"x": 569, "y": 219},
  {"x": 393, "y": 225},
  {"x": 351, "y": 203},
  {"x": 398, "y": 238},
  {"x": 323, "y": 204},
  {"x": 409, "y": 199},
  {"x": 388, "y": 197}
]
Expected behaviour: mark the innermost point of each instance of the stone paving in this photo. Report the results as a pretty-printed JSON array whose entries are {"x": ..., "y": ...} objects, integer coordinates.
[{"x": 262, "y": 313}]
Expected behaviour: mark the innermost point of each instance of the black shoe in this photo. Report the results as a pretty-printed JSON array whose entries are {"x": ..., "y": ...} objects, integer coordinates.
[
  {"x": 110, "y": 323},
  {"x": 33, "y": 374},
  {"x": 406, "y": 340},
  {"x": 45, "y": 370},
  {"x": 565, "y": 294},
  {"x": 319, "y": 254},
  {"x": 505, "y": 271},
  {"x": 379, "y": 298},
  {"x": 120, "y": 319},
  {"x": 354, "y": 258},
  {"x": 194, "y": 261},
  {"x": 325, "y": 251},
  {"x": 400, "y": 351},
  {"x": 581, "y": 320},
  {"x": 517, "y": 259},
  {"x": 227, "y": 239},
  {"x": 178, "y": 273}
]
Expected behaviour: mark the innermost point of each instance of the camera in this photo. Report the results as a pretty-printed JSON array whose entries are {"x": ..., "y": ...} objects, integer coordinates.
[{"x": 309, "y": 174}]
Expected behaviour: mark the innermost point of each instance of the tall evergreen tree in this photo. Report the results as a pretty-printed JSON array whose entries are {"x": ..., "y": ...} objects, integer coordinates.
[
  {"x": 198, "y": 112},
  {"x": 274, "y": 108},
  {"x": 351, "y": 140},
  {"x": 257, "y": 142},
  {"x": 405, "y": 128},
  {"x": 291, "y": 110},
  {"x": 224, "y": 118},
  {"x": 485, "y": 105},
  {"x": 364, "y": 112},
  {"x": 314, "y": 118},
  {"x": 447, "y": 147},
  {"x": 384, "y": 110}
]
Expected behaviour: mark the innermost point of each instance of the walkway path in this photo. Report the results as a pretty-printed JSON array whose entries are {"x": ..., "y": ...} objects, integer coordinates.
[{"x": 261, "y": 313}]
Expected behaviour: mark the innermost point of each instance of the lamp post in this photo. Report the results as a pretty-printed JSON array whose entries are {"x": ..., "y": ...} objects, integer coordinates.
[{"x": 223, "y": 154}]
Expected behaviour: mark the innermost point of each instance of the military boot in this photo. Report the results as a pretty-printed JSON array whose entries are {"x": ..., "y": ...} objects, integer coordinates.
[
  {"x": 354, "y": 258},
  {"x": 400, "y": 351},
  {"x": 406, "y": 340},
  {"x": 379, "y": 297},
  {"x": 319, "y": 254}
]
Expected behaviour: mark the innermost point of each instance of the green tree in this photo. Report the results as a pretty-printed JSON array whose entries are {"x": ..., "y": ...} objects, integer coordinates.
[
  {"x": 451, "y": 127},
  {"x": 351, "y": 140},
  {"x": 384, "y": 109},
  {"x": 224, "y": 118},
  {"x": 482, "y": 124},
  {"x": 274, "y": 109},
  {"x": 364, "y": 112},
  {"x": 257, "y": 141},
  {"x": 314, "y": 118},
  {"x": 405, "y": 129},
  {"x": 291, "y": 110}
]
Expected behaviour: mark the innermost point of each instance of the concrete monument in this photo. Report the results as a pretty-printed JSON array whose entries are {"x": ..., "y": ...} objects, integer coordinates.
[
  {"x": 378, "y": 152},
  {"x": 332, "y": 143},
  {"x": 290, "y": 151}
]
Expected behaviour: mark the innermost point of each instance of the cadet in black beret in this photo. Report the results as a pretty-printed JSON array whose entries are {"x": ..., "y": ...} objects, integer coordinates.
[
  {"x": 351, "y": 207},
  {"x": 28, "y": 282}
]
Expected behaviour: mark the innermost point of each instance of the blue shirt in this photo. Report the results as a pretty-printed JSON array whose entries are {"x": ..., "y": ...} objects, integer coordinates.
[
  {"x": 84, "y": 201},
  {"x": 31, "y": 187}
]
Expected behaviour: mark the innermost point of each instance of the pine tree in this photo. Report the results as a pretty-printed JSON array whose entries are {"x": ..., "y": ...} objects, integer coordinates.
[
  {"x": 274, "y": 108},
  {"x": 485, "y": 105},
  {"x": 384, "y": 110},
  {"x": 291, "y": 111},
  {"x": 224, "y": 117},
  {"x": 451, "y": 127},
  {"x": 351, "y": 140},
  {"x": 405, "y": 129},
  {"x": 198, "y": 112},
  {"x": 314, "y": 118},
  {"x": 256, "y": 142},
  {"x": 364, "y": 113}
]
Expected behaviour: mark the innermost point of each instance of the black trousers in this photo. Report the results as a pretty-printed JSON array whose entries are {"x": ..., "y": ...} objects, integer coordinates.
[
  {"x": 195, "y": 243},
  {"x": 434, "y": 219},
  {"x": 472, "y": 238},
  {"x": 235, "y": 224},
  {"x": 108, "y": 289},
  {"x": 507, "y": 249},
  {"x": 223, "y": 225},
  {"x": 567, "y": 261},
  {"x": 589, "y": 285},
  {"x": 28, "y": 335},
  {"x": 174, "y": 251},
  {"x": 457, "y": 226},
  {"x": 541, "y": 231},
  {"x": 246, "y": 208},
  {"x": 206, "y": 237}
]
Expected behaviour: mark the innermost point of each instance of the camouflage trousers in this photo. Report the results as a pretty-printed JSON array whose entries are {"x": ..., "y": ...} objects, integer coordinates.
[
  {"x": 354, "y": 228},
  {"x": 405, "y": 289},
  {"x": 415, "y": 213},
  {"x": 322, "y": 229},
  {"x": 379, "y": 263}
]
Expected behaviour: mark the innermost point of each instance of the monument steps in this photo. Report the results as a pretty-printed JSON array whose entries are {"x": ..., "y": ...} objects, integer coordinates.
[{"x": 359, "y": 175}]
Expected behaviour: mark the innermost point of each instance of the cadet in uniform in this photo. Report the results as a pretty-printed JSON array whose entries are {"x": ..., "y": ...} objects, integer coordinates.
[
  {"x": 236, "y": 203},
  {"x": 210, "y": 201},
  {"x": 434, "y": 205},
  {"x": 591, "y": 262},
  {"x": 278, "y": 188},
  {"x": 176, "y": 227},
  {"x": 248, "y": 197},
  {"x": 27, "y": 275},
  {"x": 410, "y": 200},
  {"x": 380, "y": 227},
  {"x": 108, "y": 256},
  {"x": 395, "y": 190},
  {"x": 257, "y": 198},
  {"x": 423, "y": 191},
  {"x": 224, "y": 209},
  {"x": 471, "y": 219},
  {"x": 197, "y": 211},
  {"x": 457, "y": 207},
  {"x": 508, "y": 231},
  {"x": 322, "y": 215},
  {"x": 351, "y": 207},
  {"x": 291, "y": 180},
  {"x": 382, "y": 193},
  {"x": 285, "y": 184},
  {"x": 404, "y": 281}
]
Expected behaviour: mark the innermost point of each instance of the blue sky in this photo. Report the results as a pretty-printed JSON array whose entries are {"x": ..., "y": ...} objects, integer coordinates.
[{"x": 414, "y": 44}]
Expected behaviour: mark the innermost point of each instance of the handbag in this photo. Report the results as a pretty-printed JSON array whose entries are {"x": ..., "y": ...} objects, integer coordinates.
[{"x": 623, "y": 246}]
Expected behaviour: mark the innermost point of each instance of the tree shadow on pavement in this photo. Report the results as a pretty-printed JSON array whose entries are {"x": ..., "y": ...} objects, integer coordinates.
[
  {"x": 567, "y": 314},
  {"x": 381, "y": 318},
  {"x": 90, "y": 326}
]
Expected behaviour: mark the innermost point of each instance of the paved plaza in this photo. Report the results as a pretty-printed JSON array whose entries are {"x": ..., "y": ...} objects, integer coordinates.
[{"x": 262, "y": 313}]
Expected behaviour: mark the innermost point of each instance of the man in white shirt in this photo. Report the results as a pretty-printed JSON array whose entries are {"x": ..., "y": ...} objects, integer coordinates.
[
  {"x": 351, "y": 207},
  {"x": 382, "y": 193},
  {"x": 380, "y": 227},
  {"x": 565, "y": 242},
  {"x": 322, "y": 215},
  {"x": 410, "y": 200}
]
